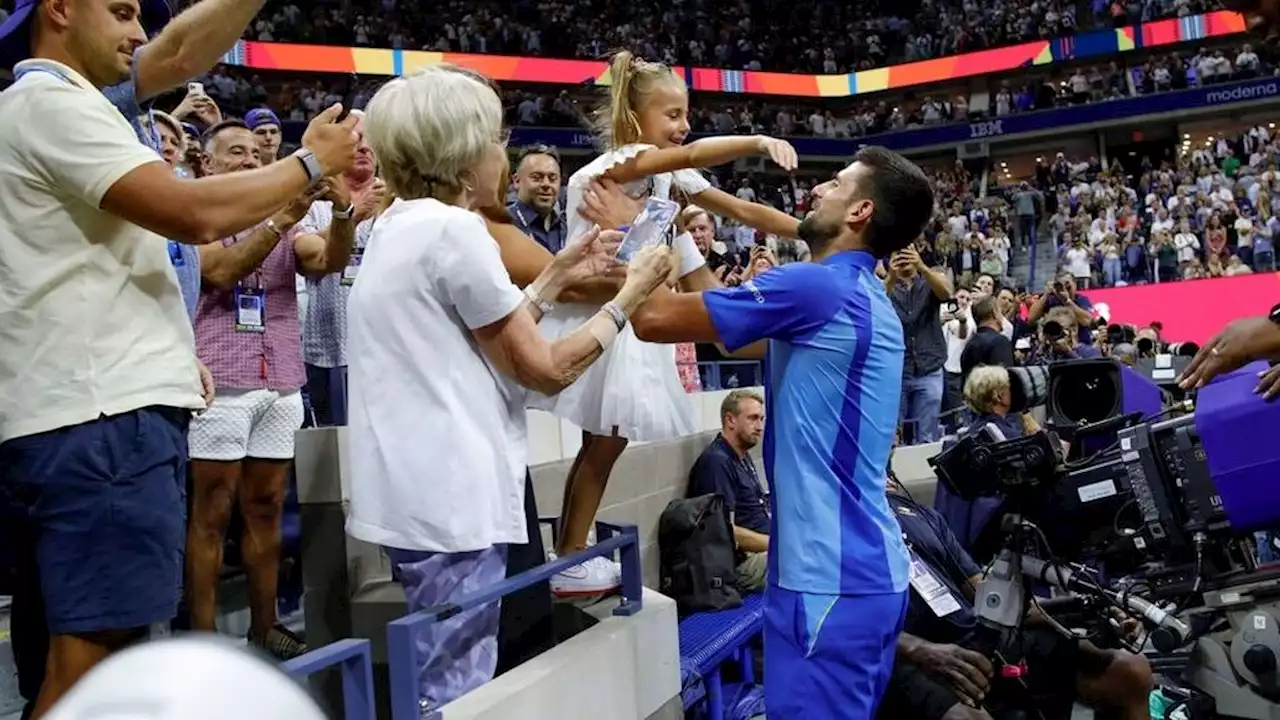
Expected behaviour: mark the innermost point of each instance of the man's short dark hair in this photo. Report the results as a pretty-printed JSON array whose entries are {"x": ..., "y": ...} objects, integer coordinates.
[
  {"x": 549, "y": 150},
  {"x": 985, "y": 310},
  {"x": 220, "y": 127},
  {"x": 903, "y": 198}
]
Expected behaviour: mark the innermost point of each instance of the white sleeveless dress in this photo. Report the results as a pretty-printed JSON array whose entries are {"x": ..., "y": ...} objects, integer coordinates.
[{"x": 635, "y": 386}]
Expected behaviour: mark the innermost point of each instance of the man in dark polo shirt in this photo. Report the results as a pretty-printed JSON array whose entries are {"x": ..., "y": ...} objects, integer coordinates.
[
  {"x": 535, "y": 211},
  {"x": 726, "y": 468},
  {"x": 939, "y": 673},
  {"x": 918, "y": 292},
  {"x": 988, "y": 346}
]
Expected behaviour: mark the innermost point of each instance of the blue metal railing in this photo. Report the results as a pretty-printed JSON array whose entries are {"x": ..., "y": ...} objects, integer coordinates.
[
  {"x": 354, "y": 659},
  {"x": 402, "y": 651}
]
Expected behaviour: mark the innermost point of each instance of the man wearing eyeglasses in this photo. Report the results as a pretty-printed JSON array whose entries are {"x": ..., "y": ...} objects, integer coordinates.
[{"x": 536, "y": 210}]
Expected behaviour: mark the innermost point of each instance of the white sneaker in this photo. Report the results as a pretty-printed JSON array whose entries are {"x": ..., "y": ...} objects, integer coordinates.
[{"x": 596, "y": 576}]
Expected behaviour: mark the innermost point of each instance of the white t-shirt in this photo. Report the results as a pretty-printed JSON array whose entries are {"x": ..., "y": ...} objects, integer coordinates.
[
  {"x": 437, "y": 437},
  {"x": 955, "y": 343},
  {"x": 92, "y": 321},
  {"x": 1077, "y": 262}
]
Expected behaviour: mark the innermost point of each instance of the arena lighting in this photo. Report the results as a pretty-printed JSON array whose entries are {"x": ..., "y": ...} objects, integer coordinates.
[{"x": 1186, "y": 136}]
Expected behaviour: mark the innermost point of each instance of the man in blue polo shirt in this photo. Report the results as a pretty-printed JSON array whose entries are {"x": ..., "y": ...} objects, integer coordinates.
[{"x": 838, "y": 569}]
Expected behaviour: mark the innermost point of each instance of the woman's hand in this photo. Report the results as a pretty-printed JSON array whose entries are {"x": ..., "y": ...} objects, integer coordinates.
[
  {"x": 589, "y": 256},
  {"x": 779, "y": 151},
  {"x": 606, "y": 205},
  {"x": 650, "y": 268}
]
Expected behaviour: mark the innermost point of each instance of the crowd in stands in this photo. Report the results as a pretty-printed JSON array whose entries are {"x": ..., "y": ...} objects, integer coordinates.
[
  {"x": 779, "y": 35},
  {"x": 1207, "y": 214},
  {"x": 852, "y": 118}
]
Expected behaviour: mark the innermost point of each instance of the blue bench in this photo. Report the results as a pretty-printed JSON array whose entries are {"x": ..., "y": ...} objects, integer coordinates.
[{"x": 710, "y": 639}]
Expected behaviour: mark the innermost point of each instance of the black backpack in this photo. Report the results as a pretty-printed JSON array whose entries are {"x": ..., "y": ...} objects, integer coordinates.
[{"x": 696, "y": 550}]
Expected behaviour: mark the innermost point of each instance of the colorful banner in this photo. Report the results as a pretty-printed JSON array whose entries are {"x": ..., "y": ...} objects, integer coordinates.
[
  {"x": 1066, "y": 120},
  {"x": 1191, "y": 310},
  {"x": 506, "y": 68}
]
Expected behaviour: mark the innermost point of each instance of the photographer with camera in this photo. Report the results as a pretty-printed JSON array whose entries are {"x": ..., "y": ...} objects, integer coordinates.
[
  {"x": 917, "y": 292},
  {"x": 1058, "y": 338},
  {"x": 1062, "y": 293},
  {"x": 939, "y": 675}
]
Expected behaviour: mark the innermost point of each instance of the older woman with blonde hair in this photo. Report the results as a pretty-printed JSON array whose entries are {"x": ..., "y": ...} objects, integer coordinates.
[{"x": 442, "y": 347}]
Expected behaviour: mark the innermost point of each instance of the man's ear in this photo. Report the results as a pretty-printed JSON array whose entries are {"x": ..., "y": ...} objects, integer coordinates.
[{"x": 859, "y": 212}]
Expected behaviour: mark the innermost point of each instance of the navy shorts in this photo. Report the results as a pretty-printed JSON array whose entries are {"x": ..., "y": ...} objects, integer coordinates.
[
  {"x": 828, "y": 656},
  {"x": 106, "y": 503}
]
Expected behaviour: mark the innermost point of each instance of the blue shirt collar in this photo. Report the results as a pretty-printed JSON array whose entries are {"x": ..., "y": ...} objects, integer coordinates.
[
  {"x": 855, "y": 258},
  {"x": 530, "y": 216}
]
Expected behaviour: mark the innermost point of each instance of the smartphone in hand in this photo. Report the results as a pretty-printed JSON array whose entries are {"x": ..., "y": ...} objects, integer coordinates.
[
  {"x": 349, "y": 101},
  {"x": 651, "y": 227}
]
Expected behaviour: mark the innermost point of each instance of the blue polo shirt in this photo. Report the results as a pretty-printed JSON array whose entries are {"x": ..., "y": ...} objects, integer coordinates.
[
  {"x": 833, "y": 382},
  {"x": 185, "y": 258}
]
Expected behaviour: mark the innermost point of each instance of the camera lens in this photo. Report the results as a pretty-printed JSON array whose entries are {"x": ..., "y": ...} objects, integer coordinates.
[{"x": 1053, "y": 330}]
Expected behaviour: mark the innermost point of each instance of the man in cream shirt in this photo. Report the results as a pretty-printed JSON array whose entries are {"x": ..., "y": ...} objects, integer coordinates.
[{"x": 98, "y": 376}]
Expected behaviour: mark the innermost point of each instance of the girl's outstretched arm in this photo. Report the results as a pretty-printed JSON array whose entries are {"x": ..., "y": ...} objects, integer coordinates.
[
  {"x": 704, "y": 153},
  {"x": 752, "y": 214}
]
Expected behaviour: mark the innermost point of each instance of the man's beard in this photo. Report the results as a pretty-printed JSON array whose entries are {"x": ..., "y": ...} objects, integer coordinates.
[{"x": 815, "y": 235}]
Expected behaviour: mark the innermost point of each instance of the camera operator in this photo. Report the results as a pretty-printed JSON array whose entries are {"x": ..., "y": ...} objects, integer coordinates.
[
  {"x": 1062, "y": 293},
  {"x": 988, "y": 391},
  {"x": 1058, "y": 338},
  {"x": 937, "y": 676}
]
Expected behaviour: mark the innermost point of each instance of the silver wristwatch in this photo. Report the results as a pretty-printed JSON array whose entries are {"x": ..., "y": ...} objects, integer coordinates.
[
  {"x": 346, "y": 213},
  {"x": 311, "y": 164}
]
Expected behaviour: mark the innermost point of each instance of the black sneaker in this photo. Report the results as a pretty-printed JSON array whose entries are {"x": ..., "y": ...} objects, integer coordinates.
[{"x": 281, "y": 643}]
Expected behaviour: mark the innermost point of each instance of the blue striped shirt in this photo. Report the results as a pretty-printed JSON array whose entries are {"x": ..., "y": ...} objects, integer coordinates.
[
  {"x": 186, "y": 258},
  {"x": 833, "y": 384}
]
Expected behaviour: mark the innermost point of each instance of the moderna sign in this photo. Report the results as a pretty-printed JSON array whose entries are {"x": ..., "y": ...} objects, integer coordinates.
[{"x": 1243, "y": 93}]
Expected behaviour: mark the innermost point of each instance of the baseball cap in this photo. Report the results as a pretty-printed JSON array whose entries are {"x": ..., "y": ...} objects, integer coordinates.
[
  {"x": 15, "y": 33},
  {"x": 258, "y": 117}
]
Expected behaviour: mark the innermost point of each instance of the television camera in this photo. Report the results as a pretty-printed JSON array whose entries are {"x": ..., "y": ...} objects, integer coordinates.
[{"x": 1153, "y": 509}]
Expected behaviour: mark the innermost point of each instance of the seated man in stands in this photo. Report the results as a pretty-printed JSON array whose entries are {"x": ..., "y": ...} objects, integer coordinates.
[
  {"x": 938, "y": 676},
  {"x": 726, "y": 468}
]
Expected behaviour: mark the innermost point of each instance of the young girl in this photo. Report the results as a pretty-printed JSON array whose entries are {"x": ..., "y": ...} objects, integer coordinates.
[{"x": 634, "y": 392}]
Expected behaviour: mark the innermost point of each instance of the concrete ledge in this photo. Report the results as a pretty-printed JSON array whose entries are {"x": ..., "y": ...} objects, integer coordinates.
[{"x": 624, "y": 668}]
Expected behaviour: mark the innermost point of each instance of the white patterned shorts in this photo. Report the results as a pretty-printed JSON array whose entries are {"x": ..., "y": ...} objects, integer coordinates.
[{"x": 247, "y": 423}]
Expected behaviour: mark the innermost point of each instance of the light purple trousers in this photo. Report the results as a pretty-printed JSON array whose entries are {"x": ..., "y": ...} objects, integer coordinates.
[{"x": 459, "y": 654}]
